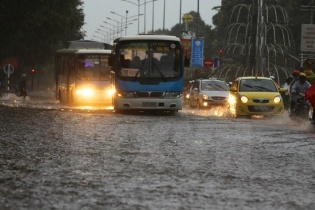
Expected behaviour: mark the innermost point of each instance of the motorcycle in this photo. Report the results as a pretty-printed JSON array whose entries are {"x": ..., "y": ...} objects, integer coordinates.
[{"x": 302, "y": 108}]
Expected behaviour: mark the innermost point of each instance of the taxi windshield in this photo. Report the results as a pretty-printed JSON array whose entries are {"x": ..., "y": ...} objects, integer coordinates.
[
  {"x": 214, "y": 86},
  {"x": 257, "y": 85}
]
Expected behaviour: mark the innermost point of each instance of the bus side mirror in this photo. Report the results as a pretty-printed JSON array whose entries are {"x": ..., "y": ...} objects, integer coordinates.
[{"x": 110, "y": 60}]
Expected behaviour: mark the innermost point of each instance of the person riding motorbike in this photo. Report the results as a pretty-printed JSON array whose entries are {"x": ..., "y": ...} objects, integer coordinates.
[
  {"x": 298, "y": 90},
  {"x": 295, "y": 75}
]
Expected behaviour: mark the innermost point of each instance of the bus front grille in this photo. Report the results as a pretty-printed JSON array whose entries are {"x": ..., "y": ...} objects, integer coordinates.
[{"x": 150, "y": 94}]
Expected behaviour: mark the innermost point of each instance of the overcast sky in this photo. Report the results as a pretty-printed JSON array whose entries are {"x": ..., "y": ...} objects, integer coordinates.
[{"x": 97, "y": 11}]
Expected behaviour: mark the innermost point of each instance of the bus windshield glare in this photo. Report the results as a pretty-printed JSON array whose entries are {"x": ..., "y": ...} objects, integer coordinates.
[
  {"x": 153, "y": 59},
  {"x": 93, "y": 68}
]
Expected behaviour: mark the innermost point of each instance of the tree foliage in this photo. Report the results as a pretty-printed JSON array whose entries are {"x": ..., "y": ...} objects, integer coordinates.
[{"x": 32, "y": 30}]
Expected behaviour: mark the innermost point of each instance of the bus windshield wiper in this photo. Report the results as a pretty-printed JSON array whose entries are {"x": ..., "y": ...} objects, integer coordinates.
[{"x": 162, "y": 75}]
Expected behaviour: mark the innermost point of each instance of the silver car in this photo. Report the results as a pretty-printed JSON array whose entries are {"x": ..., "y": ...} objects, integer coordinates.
[{"x": 208, "y": 92}]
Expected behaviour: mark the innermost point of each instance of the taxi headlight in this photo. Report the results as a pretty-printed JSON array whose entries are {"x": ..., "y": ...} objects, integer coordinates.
[
  {"x": 88, "y": 92},
  {"x": 244, "y": 99},
  {"x": 277, "y": 99}
]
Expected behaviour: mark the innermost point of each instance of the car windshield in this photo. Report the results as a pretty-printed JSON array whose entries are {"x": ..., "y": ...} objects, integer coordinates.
[
  {"x": 214, "y": 86},
  {"x": 257, "y": 85}
]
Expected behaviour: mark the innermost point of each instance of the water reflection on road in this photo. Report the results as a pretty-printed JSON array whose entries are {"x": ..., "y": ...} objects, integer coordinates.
[{"x": 55, "y": 156}]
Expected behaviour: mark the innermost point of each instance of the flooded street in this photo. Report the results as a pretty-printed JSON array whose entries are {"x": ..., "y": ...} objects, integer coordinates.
[{"x": 58, "y": 157}]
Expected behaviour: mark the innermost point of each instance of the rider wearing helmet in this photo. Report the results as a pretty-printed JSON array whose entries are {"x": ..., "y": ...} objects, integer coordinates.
[
  {"x": 295, "y": 75},
  {"x": 299, "y": 87}
]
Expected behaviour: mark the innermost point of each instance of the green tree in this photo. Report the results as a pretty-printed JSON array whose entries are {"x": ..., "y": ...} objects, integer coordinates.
[{"x": 32, "y": 30}]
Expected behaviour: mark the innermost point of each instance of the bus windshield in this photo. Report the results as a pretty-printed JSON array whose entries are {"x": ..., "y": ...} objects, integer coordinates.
[
  {"x": 149, "y": 59},
  {"x": 93, "y": 67}
]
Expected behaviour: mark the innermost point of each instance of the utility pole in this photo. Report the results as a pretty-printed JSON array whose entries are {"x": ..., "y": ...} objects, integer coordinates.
[{"x": 198, "y": 20}]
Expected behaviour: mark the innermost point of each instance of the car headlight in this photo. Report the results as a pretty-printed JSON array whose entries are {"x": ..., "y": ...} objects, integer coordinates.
[
  {"x": 277, "y": 99},
  {"x": 244, "y": 99},
  {"x": 205, "y": 97},
  {"x": 88, "y": 92},
  {"x": 172, "y": 95}
]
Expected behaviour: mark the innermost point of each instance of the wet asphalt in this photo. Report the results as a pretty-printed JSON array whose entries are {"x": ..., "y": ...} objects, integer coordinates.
[{"x": 54, "y": 157}]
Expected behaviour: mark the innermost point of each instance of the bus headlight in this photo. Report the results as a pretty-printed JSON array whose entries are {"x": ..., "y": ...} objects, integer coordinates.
[
  {"x": 126, "y": 95},
  {"x": 111, "y": 92},
  {"x": 171, "y": 95},
  {"x": 87, "y": 92},
  {"x": 277, "y": 99}
]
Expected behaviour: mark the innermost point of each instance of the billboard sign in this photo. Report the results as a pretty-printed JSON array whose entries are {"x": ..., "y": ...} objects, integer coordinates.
[
  {"x": 308, "y": 37},
  {"x": 197, "y": 52}
]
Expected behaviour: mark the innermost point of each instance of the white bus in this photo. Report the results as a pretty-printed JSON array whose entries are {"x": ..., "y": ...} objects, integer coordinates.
[{"x": 82, "y": 74}]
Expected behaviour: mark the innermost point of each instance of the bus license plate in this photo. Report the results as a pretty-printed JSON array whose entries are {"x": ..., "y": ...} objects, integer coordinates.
[{"x": 149, "y": 104}]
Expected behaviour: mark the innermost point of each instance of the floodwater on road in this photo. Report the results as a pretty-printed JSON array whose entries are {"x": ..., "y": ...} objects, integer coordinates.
[{"x": 54, "y": 156}]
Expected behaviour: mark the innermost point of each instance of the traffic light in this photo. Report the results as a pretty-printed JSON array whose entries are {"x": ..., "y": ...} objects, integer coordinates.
[
  {"x": 220, "y": 52},
  {"x": 33, "y": 71}
]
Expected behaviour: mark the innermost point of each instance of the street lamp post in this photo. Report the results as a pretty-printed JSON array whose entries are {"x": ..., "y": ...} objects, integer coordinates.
[
  {"x": 164, "y": 18},
  {"x": 111, "y": 25},
  {"x": 145, "y": 5},
  {"x": 107, "y": 33},
  {"x": 198, "y": 19},
  {"x": 108, "y": 18},
  {"x": 153, "y": 15},
  {"x": 138, "y": 12},
  {"x": 110, "y": 30},
  {"x": 126, "y": 17},
  {"x": 126, "y": 21},
  {"x": 121, "y": 20},
  {"x": 180, "y": 13}
]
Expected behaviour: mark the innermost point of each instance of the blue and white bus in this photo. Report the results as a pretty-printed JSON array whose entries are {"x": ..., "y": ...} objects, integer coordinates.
[
  {"x": 148, "y": 73},
  {"x": 82, "y": 73}
]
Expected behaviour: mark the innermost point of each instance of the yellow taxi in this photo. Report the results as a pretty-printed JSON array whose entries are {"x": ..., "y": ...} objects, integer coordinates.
[{"x": 255, "y": 96}]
